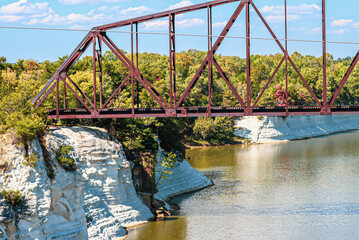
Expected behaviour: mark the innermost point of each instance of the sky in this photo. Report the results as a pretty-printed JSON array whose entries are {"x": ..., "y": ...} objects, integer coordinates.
[{"x": 304, "y": 22}]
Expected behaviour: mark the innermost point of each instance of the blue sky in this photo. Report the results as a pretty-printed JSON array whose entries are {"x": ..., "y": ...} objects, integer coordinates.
[{"x": 304, "y": 23}]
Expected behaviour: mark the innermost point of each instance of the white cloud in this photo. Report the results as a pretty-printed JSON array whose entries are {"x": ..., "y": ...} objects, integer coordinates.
[
  {"x": 136, "y": 10},
  {"x": 299, "y": 29},
  {"x": 220, "y": 24},
  {"x": 341, "y": 22},
  {"x": 340, "y": 31},
  {"x": 356, "y": 25},
  {"x": 74, "y": 2},
  {"x": 279, "y": 18},
  {"x": 159, "y": 24},
  {"x": 23, "y": 10},
  {"x": 298, "y": 9},
  {"x": 11, "y": 18},
  {"x": 163, "y": 24},
  {"x": 190, "y": 22},
  {"x": 23, "y": 7},
  {"x": 41, "y": 13},
  {"x": 315, "y": 30},
  {"x": 275, "y": 14},
  {"x": 182, "y": 4}
]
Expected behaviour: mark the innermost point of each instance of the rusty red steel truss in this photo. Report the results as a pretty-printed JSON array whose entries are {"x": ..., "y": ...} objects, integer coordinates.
[{"x": 95, "y": 108}]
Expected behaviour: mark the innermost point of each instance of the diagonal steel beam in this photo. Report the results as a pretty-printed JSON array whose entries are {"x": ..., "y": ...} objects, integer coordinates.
[
  {"x": 78, "y": 89},
  {"x": 77, "y": 96},
  {"x": 114, "y": 93},
  {"x": 269, "y": 81},
  {"x": 74, "y": 56},
  {"x": 46, "y": 95},
  {"x": 229, "y": 84},
  {"x": 344, "y": 80},
  {"x": 212, "y": 52},
  {"x": 136, "y": 73},
  {"x": 284, "y": 51}
]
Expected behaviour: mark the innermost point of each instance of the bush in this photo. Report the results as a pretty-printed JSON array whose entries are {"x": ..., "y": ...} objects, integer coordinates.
[
  {"x": 29, "y": 127},
  {"x": 31, "y": 160},
  {"x": 218, "y": 130},
  {"x": 12, "y": 197},
  {"x": 170, "y": 160},
  {"x": 64, "y": 159},
  {"x": 51, "y": 175}
]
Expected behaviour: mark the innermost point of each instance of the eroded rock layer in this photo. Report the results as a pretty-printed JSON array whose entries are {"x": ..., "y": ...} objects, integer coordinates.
[{"x": 274, "y": 129}]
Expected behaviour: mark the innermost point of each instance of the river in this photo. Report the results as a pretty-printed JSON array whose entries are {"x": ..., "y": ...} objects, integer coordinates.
[{"x": 306, "y": 189}]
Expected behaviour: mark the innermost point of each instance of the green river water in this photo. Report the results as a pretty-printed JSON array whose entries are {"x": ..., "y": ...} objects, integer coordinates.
[{"x": 306, "y": 189}]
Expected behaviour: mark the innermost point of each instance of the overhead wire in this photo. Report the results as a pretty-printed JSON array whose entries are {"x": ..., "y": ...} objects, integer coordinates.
[{"x": 179, "y": 34}]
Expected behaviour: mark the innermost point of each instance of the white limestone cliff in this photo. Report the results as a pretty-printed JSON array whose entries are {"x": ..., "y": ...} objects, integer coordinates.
[
  {"x": 99, "y": 194},
  {"x": 275, "y": 129},
  {"x": 97, "y": 201},
  {"x": 184, "y": 179}
]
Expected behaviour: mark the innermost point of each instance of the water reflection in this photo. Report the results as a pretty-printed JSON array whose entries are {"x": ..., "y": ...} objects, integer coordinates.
[
  {"x": 161, "y": 230},
  {"x": 296, "y": 190}
]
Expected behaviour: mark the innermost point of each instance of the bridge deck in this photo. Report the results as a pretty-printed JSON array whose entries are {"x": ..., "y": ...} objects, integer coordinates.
[{"x": 199, "y": 112}]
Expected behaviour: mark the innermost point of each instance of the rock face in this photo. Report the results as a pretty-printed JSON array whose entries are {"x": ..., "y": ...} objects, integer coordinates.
[
  {"x": 274, "y": 129},
  {"x": 94, "y": 202},
  {"x": 184, "y": 179}
]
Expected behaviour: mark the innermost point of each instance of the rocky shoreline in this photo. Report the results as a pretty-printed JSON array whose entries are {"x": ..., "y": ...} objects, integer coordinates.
[
  {"x": 277, "y": 129},
  {"x": 97, "y": 201}
]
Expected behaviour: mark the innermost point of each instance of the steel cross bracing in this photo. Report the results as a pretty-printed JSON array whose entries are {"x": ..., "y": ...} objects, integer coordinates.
[{"x": 95, "y": 108}]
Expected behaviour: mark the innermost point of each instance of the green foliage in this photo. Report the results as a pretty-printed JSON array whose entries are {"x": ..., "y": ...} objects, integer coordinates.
[
  {"x": 217, "y": 130},
  {"x": 19, "y": 83},
  {"x": 31, "y": 160},
  {"x": 169, "y": 162},
  {"x": 12, "y": 197},
  {"x": 51, "y": 175},
  {"x": 64, "y": 159}
]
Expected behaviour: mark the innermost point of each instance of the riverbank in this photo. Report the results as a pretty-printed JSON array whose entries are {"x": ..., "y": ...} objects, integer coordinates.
[{"x": 277, "y": 129}]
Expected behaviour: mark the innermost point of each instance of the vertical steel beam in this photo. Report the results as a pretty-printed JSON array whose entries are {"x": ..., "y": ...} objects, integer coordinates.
[
  {"x": 57, "y": 98},
  {"x": 171, "y": 63},
  {"x": 94, "y": 75},
  {"x": 137, "y": 55},
  {"x": 64, "y": 92},
  {"x": 210, "y": 64},
  {"x": 99, "y": 58},
  {"x": 172, "y": 42},
  {"x": 248, "y": 53},
  {"x": 132, "y": 70},
  {"x": 325, "y": 97},
  {"x": 286, "y": 58}
]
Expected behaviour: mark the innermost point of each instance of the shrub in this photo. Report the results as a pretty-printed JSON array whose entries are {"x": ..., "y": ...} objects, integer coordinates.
[
  {"x": 31, "y": 160},
  {"x": 29, "y": 127},
  {"x": 12, "y": 197},
  {"x": 64, "y": 159},
  {"x": 170, "y": 160},
  {"x": 218, "y": 130},
  {"x": 51, "y": 175}
]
